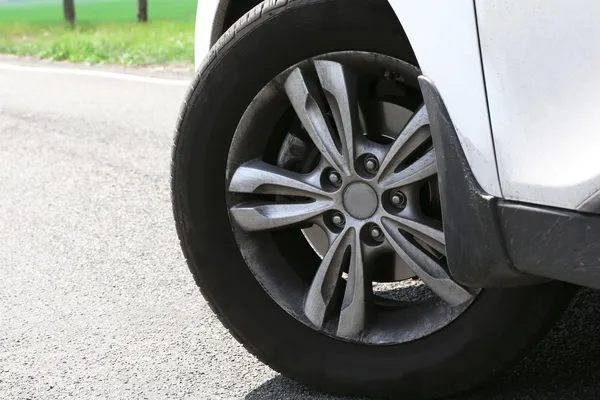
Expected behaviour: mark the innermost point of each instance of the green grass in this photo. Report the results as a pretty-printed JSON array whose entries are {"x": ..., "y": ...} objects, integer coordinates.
[
  {"x": 105, "y": 31},
  {"x": 127, "y": 43},
  {"x": 96, "y": 10}
]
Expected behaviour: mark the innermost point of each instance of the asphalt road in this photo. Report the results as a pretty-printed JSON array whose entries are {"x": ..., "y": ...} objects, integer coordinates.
[{"x": 95, "y": 298}]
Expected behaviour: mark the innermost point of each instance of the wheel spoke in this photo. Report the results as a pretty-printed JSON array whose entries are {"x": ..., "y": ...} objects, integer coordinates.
[
  {"x": 320, "y": 298},
  {"x": 421, "y": 169},
  {"x": 304, "y": 96},
  {"x": 427, "y": 230},
  {"x": 413, "y": 135},
  {"x": 259, "y": 177},
  {"x": 358, "y": 293},
  {"x": 339, "y": 86},
  {"x": 352, "y": 174},
  {"x": 430, "y": 272},
  {"x": 260, "y": 216}
]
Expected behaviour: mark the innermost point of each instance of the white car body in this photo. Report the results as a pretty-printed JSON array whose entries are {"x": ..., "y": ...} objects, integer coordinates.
[{"x": 520, "y": 83}]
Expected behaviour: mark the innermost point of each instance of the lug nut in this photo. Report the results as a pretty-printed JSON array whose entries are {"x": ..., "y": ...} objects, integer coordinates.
[
  {"x": 335, "y": 178},
  {"x": 371, "y": 164},
  {"x": 376, "y": 233},
  {"x": 338, "y": 219},
  {"x": 398, "y": 199}
]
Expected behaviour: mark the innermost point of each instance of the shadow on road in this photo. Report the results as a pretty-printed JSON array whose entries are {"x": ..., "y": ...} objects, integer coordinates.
[
  {"x": 283, "y": 388},
  {"x": 565, "y": 365}
]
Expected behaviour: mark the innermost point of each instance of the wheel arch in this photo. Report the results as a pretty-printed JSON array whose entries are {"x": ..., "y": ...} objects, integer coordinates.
[
  {"x": 444, "y": 39},
  {"x": 229, "y": 11}
]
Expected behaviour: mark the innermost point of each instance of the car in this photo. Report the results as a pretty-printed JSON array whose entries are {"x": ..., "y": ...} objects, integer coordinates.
[{"x": 389, "y": 197}]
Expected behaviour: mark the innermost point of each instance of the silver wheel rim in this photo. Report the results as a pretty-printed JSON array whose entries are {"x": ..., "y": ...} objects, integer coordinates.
[{"x": 365, "y": 195}]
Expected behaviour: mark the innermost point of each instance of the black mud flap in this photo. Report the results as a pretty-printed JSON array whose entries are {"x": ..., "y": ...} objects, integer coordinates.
[{"x": 494, "y": 243}]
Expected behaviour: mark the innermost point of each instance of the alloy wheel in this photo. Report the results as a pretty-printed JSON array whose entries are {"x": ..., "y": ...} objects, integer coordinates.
[{"x": 366, "y": 191}]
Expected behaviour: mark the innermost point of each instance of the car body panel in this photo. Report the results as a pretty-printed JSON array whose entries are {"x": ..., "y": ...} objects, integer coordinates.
[
  {"x": 206, "y": 14},
  {"x": 541, "y": 60},
  {"x": 443, "y": 35}
]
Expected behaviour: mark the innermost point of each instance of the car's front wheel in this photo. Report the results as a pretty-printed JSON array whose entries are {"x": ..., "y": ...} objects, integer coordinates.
[{"x": 307, "y": 204}]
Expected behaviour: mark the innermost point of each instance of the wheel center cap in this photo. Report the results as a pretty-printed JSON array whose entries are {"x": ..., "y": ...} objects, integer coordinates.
[{"x": 360, "y": 200}]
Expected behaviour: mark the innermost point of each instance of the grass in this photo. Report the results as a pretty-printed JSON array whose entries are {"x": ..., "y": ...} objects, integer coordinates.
[
  {"x": 95, "y": 10},
  {"x": 105, "y": 32},
  {"x": 127, "y": 43}
]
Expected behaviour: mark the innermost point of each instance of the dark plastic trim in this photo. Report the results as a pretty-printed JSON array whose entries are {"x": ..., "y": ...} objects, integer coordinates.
[
  {"x": 492, "y": 242},
  {"x": 554, "y": 243},
  {"x": 474, "y": 243}
]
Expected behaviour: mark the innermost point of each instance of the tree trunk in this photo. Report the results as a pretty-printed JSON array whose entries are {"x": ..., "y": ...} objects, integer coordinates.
[
  {"x": 142, "y": 11},
  {"x": 69, "y": 11}
]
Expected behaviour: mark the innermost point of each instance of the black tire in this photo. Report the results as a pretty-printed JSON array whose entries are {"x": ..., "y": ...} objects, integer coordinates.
[{"x": 496, "y": 329}]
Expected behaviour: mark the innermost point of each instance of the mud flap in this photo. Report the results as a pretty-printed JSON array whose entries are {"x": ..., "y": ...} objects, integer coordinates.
[{"x": 475, "y": 247}]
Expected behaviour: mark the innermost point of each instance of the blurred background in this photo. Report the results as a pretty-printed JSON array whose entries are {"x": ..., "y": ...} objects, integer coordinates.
[{"x": 126, "y": 32}]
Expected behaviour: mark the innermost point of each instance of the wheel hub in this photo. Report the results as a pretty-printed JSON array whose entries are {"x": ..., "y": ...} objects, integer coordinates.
[
  {"x": 362, "y": 191},
  {"x": 360, "y": 200}
]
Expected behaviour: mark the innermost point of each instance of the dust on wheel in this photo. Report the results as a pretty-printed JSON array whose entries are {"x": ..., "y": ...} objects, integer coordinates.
[{"x": 353, "y": 157}]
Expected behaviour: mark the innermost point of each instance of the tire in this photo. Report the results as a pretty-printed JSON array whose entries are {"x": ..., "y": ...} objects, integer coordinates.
[{"x": 496, "y": 329}]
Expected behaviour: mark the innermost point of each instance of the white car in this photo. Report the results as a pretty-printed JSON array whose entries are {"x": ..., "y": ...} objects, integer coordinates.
[{"x": 391, "y": 197}]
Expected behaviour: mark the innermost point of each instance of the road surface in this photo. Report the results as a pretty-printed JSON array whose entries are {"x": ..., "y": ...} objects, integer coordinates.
[{"x": 95, "y": 297}]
